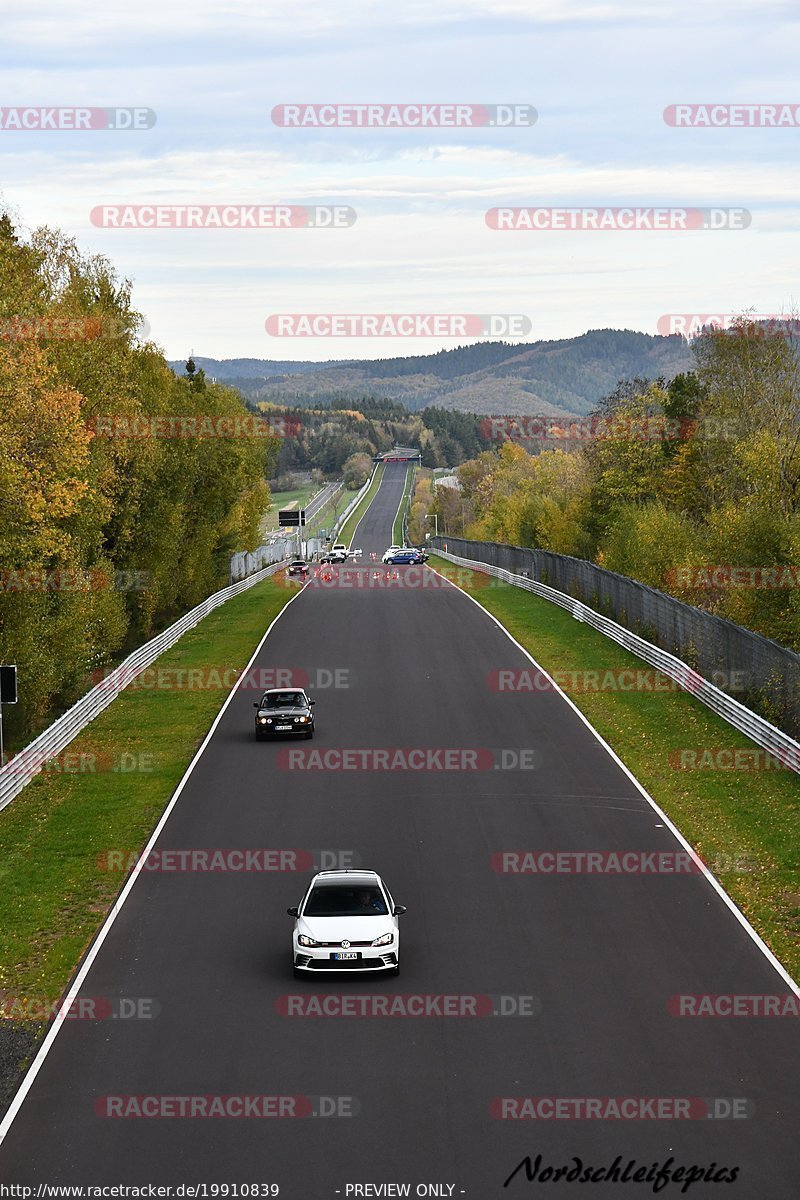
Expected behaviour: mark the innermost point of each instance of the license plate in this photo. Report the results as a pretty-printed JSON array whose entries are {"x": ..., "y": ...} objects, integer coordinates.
[
  {"x": 282, "y": 728},
  {"x": 344, "y": 954}
]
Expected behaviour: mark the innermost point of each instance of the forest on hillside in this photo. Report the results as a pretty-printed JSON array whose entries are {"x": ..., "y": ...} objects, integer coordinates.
[{"x": 326, "y": 438}]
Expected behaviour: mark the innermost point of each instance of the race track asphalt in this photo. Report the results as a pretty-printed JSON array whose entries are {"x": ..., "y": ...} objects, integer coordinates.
[{"x": 400, "y": 660}]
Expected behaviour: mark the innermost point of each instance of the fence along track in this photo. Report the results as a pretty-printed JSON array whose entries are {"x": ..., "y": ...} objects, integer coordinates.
[
  {"x": 19, "y": 771},
  {"x": 768, "y": 736}
]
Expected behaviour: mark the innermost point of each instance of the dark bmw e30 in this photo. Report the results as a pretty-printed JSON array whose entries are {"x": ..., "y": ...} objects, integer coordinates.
[{"x": 284, "y": 712}]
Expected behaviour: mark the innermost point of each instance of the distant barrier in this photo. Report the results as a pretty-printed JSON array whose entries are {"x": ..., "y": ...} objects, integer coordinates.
[
  {"x": 18, "y": 771},
  {"x": 247, "y": 562}
]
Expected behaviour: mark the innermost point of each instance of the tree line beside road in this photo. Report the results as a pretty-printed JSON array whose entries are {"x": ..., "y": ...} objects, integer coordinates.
[{"x": 123, "y": 492}]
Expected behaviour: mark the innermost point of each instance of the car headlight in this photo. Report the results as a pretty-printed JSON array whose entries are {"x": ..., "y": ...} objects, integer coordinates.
[
  {"x": 306, "y": 941},
  {"x": 269, "y": 720},
  {"x": 303, "y": 719},
  {"x": 296, "y": 720},
  {"x": 384, "y": 941},
  {"x": 263, "y": 720}
]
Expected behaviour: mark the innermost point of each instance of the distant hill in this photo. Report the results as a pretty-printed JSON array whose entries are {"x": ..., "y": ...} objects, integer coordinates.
[{"x": 551, "y": 378}]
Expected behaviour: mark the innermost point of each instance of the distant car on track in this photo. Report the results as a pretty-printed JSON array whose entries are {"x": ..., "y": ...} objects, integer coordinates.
[
  {"x": 391, "y": 550},
  {"x": 405, "y": 556},
  {"x": 298, "y": 566},
  {"x": 284, "y": 711},
  {"x": 347, "y": 921}
]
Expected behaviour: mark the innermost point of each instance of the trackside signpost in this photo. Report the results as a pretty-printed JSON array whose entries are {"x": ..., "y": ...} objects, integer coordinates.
[
  {"x": 8, "y": 695},
  {"x": 292, "y": 518}
]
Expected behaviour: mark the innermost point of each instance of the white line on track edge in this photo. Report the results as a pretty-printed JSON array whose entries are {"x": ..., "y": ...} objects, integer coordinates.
[{"x": 58, "y": 1021}]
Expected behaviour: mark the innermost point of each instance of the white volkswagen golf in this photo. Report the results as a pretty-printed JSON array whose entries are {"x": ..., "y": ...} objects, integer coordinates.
[{"x": 346, "y": 921}]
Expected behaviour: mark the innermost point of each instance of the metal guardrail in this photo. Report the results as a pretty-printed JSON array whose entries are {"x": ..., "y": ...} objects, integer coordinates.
[
  {"x": 19, "y": 771},
  {"x": 785, "y": 749}
]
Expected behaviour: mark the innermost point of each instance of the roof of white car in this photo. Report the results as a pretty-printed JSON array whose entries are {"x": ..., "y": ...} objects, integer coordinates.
[{"x": 346, "y": 876}]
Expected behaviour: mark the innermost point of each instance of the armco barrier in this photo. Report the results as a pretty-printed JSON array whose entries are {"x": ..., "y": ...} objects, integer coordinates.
[
  {"x": 767, "y": 674},
  {"x": 785, "y": 748},
  {"x": 19, "y": 771}
]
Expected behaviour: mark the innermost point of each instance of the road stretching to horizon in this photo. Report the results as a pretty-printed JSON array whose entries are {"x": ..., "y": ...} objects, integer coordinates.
[{"x": 573, "y": 972}]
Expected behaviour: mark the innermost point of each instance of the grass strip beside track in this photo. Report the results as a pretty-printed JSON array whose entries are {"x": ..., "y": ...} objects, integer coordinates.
[
  {"x": 325, "y": 517},
  {"x": 397, "y": 527},
  {"x": 347, "y": 531},
  {"x": 745, "y": 823},
  {"x": 54, "y": 888}
]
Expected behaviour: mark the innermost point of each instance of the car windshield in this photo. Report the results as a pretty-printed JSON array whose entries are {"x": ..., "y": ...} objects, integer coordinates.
[
  {"x": 299, "y": 562},
  {"x": 345, "y": 900},
  {"x": 283, "y": 700}
]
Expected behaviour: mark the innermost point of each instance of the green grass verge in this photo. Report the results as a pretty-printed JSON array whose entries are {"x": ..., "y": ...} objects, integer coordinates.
[
  {"x": 345, "y": 534},
  {"x": 397, "y": 527},
  {"x": 745, "y": 824},
  {"x": 302, "y": 495},
  {"x": 326, "y": 517},
  {"x": 54, "y": 888},
  {"x": 279, "y": 500}
]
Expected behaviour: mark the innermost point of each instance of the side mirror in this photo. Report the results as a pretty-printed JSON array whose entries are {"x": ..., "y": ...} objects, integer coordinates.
[
  {"x": 399, "y": 909},
  {"x": 311, "y": 703},
  {"x": 256, "y": 704},
  {"x": 293, "y": 912}
]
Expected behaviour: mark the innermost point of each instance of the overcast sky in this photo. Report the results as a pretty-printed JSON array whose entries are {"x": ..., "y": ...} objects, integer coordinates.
[{"x": 598, "y": 74}]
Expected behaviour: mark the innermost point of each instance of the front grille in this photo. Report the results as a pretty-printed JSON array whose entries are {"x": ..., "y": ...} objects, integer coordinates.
[
  {"x": 347, "y": 964},
  {"x": 339, "y": 946}
]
